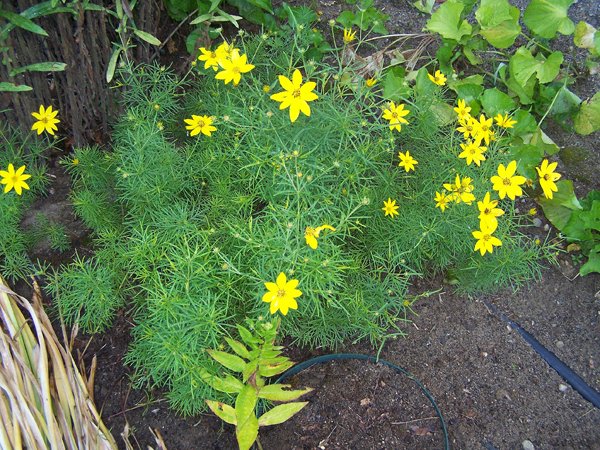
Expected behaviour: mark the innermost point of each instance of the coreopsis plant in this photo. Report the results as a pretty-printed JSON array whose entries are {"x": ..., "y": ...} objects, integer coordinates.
[{"x": 185, "y": 226}]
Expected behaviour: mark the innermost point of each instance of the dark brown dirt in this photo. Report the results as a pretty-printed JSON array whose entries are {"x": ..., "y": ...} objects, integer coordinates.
[{"x": 493, "y": 390}]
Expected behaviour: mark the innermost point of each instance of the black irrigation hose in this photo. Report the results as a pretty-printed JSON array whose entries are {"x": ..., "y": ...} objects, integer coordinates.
[
  {"x": 346, "y": 356},
  {"x": 586, "y": 391}
]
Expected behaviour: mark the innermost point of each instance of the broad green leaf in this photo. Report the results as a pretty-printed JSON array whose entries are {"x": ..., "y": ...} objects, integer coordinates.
[
  {"x": 527, "y": 157},
  {"x": 263, "y": 4},
  {"x": 281, "y": 392},
  {"x": 499, "y": 22},
  {"x": 593, "y": 262},
  {"x": 542, "y": 140},
  {"x": 565, "y": 103},
  {"x": 525, "y": 93},
  {"x": 228, "y": 360},
  {"x": 425, "y": 6},
  {"x": 247, "y": 336},
  {"x": 467, "y": 89},
  {"x": 225, "y": 412},
  {"x": 11, "y": 87},
  {"x": 443, "y": 113},
  {"x": 423, "y": 84},
  {"x": 249, "y": 369},
  {"x": 587, "y": 119},
  {"x": 269, "y": 371},
  {"x": 146, "y": 37},
  {"x": 557, "y": 215},
  {"x": 201, "y": 18},
  {"x": 229, "y": 384},
  {"x": 447, "y": 21},
  {"x": 246, "y": 430},
  {"x": 565, "y": 196},
  {"x": 591, "y": 218},
  {"x": 576, "y": 231},
  {"x": 523, "y": 65},
  {"x": 346, "y": 19},
  {"x": 584, "y": 35},
  {"x": 22, "y": 22},
  {"x": 238, "y": 347},
  {"x": 546, "y": 17},
  {"x": 495, "y": 101},
  {"x": 112, "y": 64},
  {"x": 39, "y": 67},
  {"x": 526, "y": 123},
  {"x": 280, "y": 413},
  {"x": 395, "y": 87}
]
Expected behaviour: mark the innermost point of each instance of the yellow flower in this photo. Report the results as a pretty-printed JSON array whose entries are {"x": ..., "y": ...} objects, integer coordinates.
[
  {"x": 504, "y": 122},
  {"x": 210, "y": 58},
  {"x": 467, "y": 126},
  {"x": 312, "y": 234},
  {"x": 266, "y": 88},
  {"x": 532, "y": 211},
  {"x": 483, "y": 129},
  {"x": 461, "y": 190},
  {"x": 349, "y": 35},
  {"x": 371, "y": 82},
  {"x": 14, "y": 179},
  {"x": 442, "y": 201},
  {"x": 407, "y": 161},
  {"x": 485, "y": 241},
  {"x": 282, "y": 294},
  {"x": 547, "y": 177},
  {"x": 46, "y": 120},
  {"x": 390, "y": 208},
  {"x": 395, "y": 115},
  {"x": 295, "y": 95},
  {"x": 488, "y": 212},
  {"x": 438, "y": 78},
  {"x": 472, "y": 152},
  {"x": 462, "y": 110},
  {"x": 200, "y": 124},
  {"x": 506, "y": 182},
  {"x": 224, "y": 51},
  {"x": 233, "y": 68}
]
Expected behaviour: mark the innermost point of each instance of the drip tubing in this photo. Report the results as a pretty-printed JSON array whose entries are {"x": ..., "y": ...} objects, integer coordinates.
[
  {"x": 586, "y": 391},
  {"x": 356, "y": 356}
]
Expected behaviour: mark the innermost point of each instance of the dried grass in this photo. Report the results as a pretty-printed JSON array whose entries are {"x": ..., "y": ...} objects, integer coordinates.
[{"x": 45, "y": 401}]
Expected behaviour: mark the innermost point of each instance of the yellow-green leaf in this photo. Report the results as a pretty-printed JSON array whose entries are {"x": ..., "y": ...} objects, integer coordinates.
[
  {"x": 587, "y": 119},
  {"x": 22, "y": 22},
  {"x": 238, "y": 347},
  {"x": 11, "y": 87},
  {"x": 247, "y": 423},
  {"x": 228, "y": 360},
  {"x": 447, "y": 21},
  {"x": 225, "y": 412},
  {"x": 281, "y": 392},
  {"x": 547, "y": 17},
  {"x": 146, "y": 37},
  {"x": 50, "y": 66},
  {"x": 280, "y": 413}
]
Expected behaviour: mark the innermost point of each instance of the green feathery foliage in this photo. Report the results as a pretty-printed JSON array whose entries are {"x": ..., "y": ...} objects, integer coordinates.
[{"x": 190, "y": 228}]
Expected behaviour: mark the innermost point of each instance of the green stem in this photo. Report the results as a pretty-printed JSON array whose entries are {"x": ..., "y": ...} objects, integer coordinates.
[{"x": 258, "y": 444}]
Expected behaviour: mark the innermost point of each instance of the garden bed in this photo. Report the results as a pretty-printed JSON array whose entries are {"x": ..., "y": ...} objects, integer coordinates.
[{"x": 493, "y": 390}]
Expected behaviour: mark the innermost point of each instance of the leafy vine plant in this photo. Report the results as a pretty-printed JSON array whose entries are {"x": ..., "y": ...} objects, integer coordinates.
[{"x": 531, "y": 80}]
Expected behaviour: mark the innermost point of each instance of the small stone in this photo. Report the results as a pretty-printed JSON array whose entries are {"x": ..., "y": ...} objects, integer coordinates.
[
  {"x": 484, "y": 354},
  {"x": 546, "y": 227},
  {"x": 563, "y": 387},
  {"x": 528, "y": 445},
  {"x": 560, "y": 344},
  {"x": 537, "y": 222}
]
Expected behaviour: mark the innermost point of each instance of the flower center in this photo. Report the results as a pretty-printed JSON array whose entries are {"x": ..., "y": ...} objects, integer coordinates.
[
  {"x": 281, "y": 293},
  {"x": 296, "y": 93},
  {"x": 44, "y": 120},
  {"x": 546, "y": 177},
  {"x": 201, "y": 124},
  {"x": 486, "y": 237},
  {"x": 506, "y": 182},
  {"x": 235, "y": 69},
  {"x": 486, "y": 211},
  {"x": 395, "y": 115}
]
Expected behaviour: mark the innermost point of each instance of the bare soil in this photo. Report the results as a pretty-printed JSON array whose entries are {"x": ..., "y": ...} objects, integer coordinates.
[{"x": 493, "y": 390}]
